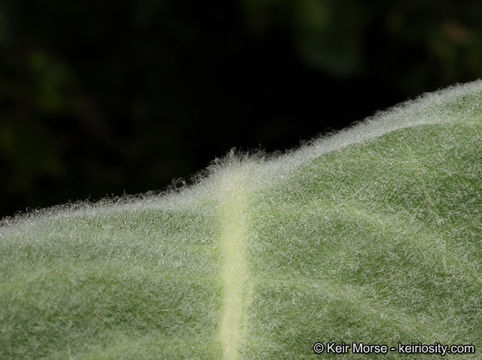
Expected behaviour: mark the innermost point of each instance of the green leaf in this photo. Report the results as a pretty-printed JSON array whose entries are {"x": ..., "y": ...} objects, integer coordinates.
[{"x": 369, "y": 235}]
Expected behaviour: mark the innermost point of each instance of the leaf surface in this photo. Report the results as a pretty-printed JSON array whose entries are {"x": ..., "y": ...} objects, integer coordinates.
[{"x": 369, "y": 235}]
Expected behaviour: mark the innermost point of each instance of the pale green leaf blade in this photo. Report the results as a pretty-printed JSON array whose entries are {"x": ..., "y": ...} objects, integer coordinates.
[{"x": 371, "y": 234}]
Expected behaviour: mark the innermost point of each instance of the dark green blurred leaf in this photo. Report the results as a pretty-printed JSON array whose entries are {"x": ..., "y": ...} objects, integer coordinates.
[
  {"x": 329, "y": 34},
  {"x": 52, "y": 79},
  {"x": 28, "y": 149}
]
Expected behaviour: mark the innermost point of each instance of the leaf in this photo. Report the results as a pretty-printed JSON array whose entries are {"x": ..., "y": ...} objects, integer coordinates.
[{"x": 369, "y": 235}]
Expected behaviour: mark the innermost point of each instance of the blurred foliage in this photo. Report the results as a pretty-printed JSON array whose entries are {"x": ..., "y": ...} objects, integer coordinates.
[
  {"x": 327, "y": 34},
  {"x": 334, "y": 34},
  {"x": 100, "y": 97}
]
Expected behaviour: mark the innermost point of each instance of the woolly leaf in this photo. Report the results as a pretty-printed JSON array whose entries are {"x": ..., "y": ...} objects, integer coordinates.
[{"x": 369, "y": 235}]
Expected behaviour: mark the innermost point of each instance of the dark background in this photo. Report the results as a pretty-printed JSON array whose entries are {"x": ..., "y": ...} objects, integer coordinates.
[{"x": 101, "y": 98}]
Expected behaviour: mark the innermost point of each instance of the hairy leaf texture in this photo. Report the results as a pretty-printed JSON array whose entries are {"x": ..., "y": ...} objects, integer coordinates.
[{"x": 371, "y": 234}]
